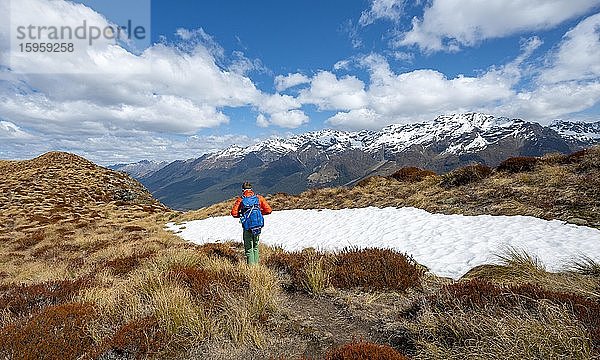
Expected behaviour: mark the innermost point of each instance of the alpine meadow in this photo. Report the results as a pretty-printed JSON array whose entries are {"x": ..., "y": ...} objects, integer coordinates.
[{"x": 365, "y": 179}]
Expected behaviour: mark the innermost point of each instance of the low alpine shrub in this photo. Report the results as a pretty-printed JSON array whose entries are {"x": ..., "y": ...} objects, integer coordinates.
[
  {"x": 374, "y": 269},
  {"x": 225, "y": 251},
  {"x": 122, "y": 266},
  {"x": 364, "y": 350},
  {"x": 518, "y": 164},
  {"x": 57, "y": 332},
  {"x": 138, "y": 339},
  {"x": 205, "y": 284},
  {"x": 412, "y": 174},
  {"x": 465, "y": 175},
  {"x": 21, "y": 299}
]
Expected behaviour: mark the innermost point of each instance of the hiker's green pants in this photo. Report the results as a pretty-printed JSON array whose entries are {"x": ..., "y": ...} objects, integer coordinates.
[{"x": 251, "y": 247}]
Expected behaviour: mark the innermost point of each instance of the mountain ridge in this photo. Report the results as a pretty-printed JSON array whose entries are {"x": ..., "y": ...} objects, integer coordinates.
[{"x": 334, "y": 157}]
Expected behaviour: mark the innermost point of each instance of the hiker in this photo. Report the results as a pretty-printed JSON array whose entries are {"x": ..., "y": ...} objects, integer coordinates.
[{"x": 250, "y": 208}]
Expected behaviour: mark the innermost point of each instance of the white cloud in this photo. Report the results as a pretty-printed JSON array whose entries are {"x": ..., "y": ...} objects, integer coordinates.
[
  {"x": 262, "y": 121},
  {"x": 578, "y": 55},
  {"x": 284, "y": 82},
  {"x": 570, "y": 80},
  {"x": 451, "y": 24},
  {"x": 357, "y": 119},
  {"x": 173, "y": 88},
  {"x": 382, "y": 9},
  {"x": 285, "y": 119},
  {"x": 405, "y": 97},
  {"x": 329, "y": 92},
  {"x": 10, "y": 131},
  {"x": 352, "y": 31}
]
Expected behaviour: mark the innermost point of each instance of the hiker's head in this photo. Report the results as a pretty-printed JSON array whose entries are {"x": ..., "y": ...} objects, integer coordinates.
[{"x": 246, "y": 186}]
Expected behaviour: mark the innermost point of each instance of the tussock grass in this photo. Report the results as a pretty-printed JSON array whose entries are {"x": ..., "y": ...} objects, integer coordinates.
[
  {"x": 585, "y": 265},
  {"x": 549, "y": 332},
  {"x": 312, "y": 271},
  {"x": 150, "y": 295},
  {"x": 517, "y": 267}
]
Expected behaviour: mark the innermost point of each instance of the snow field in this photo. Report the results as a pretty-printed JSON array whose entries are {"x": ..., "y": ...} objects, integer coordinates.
[{"x": 449, "y": 245}]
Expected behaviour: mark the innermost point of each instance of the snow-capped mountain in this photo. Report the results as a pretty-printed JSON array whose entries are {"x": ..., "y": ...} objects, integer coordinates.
[
  {"x": 582, "y": 132},
  {"x": 333, "y": 157},
  {"x": 456, "y": 134},
  {"x": 140, "y": 169}
]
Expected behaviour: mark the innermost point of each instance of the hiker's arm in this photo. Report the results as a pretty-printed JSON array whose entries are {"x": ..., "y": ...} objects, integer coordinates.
[
  {"x": 265, "y": 208},
  {"x": 235, "y": 211}
]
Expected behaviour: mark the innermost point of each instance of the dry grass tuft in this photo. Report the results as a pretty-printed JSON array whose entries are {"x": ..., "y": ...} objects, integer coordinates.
[
  {"x": 586, "y": 266},
  {"x": 477, "y": 295},
  {"x": 546, "y": 332},
  {"x": 517, "y": 267},
  {"x": 370, "y": 269}
]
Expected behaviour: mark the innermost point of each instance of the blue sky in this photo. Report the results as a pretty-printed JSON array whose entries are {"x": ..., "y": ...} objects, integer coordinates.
[{"x": 217, "y": 73}]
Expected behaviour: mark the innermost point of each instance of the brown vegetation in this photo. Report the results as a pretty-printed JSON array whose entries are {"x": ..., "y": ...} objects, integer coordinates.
[
  {"x": 87, "y": 271},
  {"x": 368, "y": 269},
  {"x": 57, "y": 332},
  {"x": 364, "y": 350},
  {"x": 412, "y": 174},
  {"x": 521, "y": 164},
  {"x": 465, "y": 175}
]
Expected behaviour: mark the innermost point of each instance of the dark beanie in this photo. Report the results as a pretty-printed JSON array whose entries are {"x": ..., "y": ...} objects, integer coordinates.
[{"x": 246, "y": 186}]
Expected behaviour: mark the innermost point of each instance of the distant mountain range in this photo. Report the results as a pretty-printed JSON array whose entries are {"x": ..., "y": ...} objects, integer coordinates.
[{"x": 332, "y": 158}]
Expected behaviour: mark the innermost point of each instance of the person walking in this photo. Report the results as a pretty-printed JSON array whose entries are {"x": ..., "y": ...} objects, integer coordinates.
[{"x": 250, "y": 209}]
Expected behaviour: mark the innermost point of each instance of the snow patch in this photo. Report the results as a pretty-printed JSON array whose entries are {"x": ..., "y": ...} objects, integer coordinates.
[{"x": 449, "y": 245}]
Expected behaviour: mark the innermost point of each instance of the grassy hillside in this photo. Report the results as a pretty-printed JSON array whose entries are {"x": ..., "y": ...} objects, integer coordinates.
[{"x": 87, "y": 271}]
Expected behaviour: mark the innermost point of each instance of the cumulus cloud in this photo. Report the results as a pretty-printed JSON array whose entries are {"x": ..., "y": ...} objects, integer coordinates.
[
  {"x": 286, "y": 119},
  {"x": 451, "y": 24},
  {"x": 570, "y": 80},
  {"x": 284, "y": 82},
  {"x": 329, "y": 92}
]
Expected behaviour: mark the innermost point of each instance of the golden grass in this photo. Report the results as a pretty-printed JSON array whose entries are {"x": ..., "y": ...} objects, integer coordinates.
[
  {"x": 549, "y": 332},
  {"x": 130, "y": 259},
  {"x": 518, "y": 267},
  {"x": 584, "y": 265}
]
